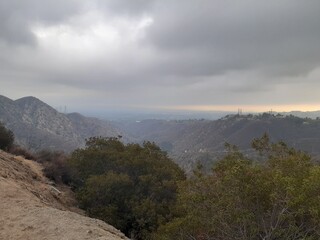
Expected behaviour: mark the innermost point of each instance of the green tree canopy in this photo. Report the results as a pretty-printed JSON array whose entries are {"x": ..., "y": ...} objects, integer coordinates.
[
  {"x": 130, "y": 186},
  {"x": 244, "y": 199}
]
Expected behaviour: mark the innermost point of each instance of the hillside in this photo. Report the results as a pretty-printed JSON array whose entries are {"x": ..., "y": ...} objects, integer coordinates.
[
  {"x": 192, "y": 140},
  {"x": 32, "y": 209},
  {"x": 37, "y": 126}
]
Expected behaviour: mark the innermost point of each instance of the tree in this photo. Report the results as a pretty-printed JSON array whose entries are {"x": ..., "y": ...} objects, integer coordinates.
[
  {"x": 6, "y": 138},
  {"x": 105, "y": 196},
  {"x": 131, "y": 186},
  {"x": 244, "y": 199}
]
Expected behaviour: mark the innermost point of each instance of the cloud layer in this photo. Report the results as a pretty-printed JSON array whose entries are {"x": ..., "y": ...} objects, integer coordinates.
[{"x": 151, "y": 53}]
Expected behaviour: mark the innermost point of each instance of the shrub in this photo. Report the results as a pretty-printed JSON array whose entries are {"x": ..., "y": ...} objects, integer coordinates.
[
  {"x": 6, "y": 138},
  {"x": 55, "y": 165},
  {"x": 131, "y": 186},
  {"x": 20, "y": 151},
  {"x": 244, "y": 199}
]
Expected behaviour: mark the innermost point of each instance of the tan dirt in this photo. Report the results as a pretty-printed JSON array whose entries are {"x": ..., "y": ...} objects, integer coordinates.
[{"x": 32, "y": 209}]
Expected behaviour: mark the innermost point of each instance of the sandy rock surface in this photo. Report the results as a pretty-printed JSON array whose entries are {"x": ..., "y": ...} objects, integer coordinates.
[{"x": 32, "y": 209}]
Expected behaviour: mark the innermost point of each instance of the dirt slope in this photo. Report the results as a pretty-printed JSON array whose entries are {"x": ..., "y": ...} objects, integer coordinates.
[{"x": 31, "y": 208}]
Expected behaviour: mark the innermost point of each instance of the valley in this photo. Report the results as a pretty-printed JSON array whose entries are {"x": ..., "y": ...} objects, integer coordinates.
[{"x": 38, "y": 126}]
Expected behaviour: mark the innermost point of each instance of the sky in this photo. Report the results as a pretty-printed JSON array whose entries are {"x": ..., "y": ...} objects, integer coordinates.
[{"x": 162, "y": 54}]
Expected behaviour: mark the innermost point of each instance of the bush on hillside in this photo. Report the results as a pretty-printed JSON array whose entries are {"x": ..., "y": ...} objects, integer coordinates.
[
  {"x": 21, "y": 151},
  {"x": 244, "y": 199},
  {"x": 6, "y": 138},
  {"x": 130, "y": 186},
  {"x": 55, "y": 165}
]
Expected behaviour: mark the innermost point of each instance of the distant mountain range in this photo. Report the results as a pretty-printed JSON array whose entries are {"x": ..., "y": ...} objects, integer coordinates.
[
  {"x": 37, "y": 126},
  {"x": 190, "y": 141}
]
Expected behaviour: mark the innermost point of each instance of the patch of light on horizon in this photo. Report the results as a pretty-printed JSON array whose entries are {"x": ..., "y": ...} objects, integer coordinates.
[{"x": 246, "y": 108}]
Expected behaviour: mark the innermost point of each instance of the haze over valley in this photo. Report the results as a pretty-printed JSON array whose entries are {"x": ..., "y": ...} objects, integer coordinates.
[{"x": 38, "y": 126}]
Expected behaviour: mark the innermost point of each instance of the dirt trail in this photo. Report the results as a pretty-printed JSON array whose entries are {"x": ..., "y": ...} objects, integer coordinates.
[{"x": 32, "y": 209}]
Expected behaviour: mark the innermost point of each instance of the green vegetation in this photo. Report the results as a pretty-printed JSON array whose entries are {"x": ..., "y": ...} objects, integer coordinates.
[
  {"x": 130, "y": 186},
  {"x": 243, "y": 199},
  {"x": 7, "y": 144},
  {"x": 6, "y": 138},
  {"x": 140, "y": 191}
]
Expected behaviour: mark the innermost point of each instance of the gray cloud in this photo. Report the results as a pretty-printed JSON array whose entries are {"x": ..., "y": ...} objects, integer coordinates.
[
  {"x": 144, "y": 52},
  {"x": 125, "y": 7},
  {"x": 229, "y": 35},
  {"x": 17, "y": 17}
]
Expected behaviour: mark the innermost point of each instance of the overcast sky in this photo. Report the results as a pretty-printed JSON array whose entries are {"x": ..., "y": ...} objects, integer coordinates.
[{"x": 184, "y": 54}]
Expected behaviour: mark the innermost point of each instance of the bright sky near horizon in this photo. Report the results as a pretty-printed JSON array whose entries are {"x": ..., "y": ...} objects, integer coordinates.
[{"x": 162, "y": 54}]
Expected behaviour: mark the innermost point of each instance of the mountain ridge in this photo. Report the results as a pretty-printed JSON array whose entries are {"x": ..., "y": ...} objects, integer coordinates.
[
  {"x": 191, "y": 141},
  {"x": 37, "y": 125}
]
